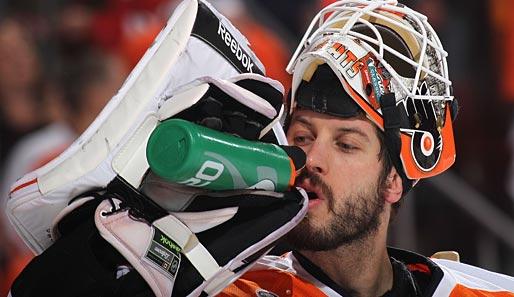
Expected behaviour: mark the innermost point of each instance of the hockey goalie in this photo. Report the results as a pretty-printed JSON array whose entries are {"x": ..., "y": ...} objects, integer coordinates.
[{"x": 186, "y": 179}]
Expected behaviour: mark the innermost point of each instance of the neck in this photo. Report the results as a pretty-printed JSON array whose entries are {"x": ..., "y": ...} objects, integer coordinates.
[{"x": 362, "y": 268}]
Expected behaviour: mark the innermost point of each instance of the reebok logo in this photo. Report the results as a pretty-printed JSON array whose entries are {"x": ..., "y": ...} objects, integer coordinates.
[
  {"x": 169, "y": 243},
  {"x": 234, "y": 47}
]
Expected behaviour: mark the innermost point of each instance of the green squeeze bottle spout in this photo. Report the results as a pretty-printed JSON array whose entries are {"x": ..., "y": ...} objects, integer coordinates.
[{"x": 183, "y": 152}]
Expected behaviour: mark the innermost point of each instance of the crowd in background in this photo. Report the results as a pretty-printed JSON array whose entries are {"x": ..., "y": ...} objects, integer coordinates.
[{"x": 62, "y": 60}]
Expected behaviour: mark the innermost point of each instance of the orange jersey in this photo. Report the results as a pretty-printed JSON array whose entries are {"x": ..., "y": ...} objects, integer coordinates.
[{"x": 282, "y": 276}]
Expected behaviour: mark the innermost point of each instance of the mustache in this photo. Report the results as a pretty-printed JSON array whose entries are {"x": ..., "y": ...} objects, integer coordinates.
[{"x": 317, "y": 182}]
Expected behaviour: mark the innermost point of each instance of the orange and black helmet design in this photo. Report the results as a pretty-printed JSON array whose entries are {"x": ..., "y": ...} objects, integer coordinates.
[{"x": 390, "y": 62}]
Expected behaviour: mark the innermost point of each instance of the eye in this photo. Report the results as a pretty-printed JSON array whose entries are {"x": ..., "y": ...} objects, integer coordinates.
[
  {"x": 346, "y": 147},
  {"x": 299, "y": 140}
]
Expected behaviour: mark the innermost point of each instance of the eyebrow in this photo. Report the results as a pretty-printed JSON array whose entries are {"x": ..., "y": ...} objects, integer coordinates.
[
  {"x": 346, "y": 130},
  {"x": 302, "y": 120}
]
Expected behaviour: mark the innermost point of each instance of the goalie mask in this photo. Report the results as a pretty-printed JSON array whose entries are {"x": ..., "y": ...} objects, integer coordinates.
[{"x": 389, "y": 64}]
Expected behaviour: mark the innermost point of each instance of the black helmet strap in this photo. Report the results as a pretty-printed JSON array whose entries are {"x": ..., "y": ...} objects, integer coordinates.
[{"x": 392, "y": 139}]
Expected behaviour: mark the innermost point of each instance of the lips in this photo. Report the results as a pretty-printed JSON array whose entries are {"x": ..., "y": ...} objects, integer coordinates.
[
  {"x": 312, "y": 192},
  {"x": 312, "y": 195}
]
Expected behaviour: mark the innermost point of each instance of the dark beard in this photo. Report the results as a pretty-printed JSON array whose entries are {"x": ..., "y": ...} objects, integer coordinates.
[{"x": 355, "y": 220}]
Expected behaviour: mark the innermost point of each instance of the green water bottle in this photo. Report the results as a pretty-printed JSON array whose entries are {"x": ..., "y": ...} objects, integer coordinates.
[{"x": 186, "y": 153}]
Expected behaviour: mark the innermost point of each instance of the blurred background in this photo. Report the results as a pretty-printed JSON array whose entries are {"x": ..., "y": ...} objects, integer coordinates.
[{"x": 62, "y": 60}]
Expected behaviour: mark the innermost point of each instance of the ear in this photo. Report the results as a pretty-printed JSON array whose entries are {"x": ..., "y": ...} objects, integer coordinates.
[{"x": 394, "y": 189}]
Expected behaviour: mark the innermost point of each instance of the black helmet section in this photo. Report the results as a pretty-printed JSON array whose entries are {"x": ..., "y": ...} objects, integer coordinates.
[{"x": 324, "y": 93}]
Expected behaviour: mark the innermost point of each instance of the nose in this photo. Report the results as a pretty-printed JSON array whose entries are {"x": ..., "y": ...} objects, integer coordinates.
[{"x": 317, "y": 159}]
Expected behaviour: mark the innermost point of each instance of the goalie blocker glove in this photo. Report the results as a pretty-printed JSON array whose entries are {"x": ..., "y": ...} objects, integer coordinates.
[
  {"x": 214, "y": 238},
  {"x": 104, "y": 249},
  {"x": 196, "y": 42},
  {"x": 79, "y": 261}
]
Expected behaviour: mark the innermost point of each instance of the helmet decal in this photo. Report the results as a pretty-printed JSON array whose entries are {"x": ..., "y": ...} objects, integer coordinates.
[
  {"x": 375, "y": 80},
  {"x": 422, "y": 162},
  {"x": 426, "y": 142}
]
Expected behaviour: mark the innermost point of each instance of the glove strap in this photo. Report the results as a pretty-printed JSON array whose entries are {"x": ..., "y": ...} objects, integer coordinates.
[{"x": 156, "y": 251}]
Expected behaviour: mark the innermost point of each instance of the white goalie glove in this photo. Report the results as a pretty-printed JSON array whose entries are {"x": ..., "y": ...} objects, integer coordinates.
[
  {"x": 178, "y": 240},
  {"x": 98, "y": 206},
  {"x": 196, "y": 42}
]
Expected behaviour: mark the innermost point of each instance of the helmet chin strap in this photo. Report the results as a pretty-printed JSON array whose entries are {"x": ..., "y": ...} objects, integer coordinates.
[{"x": 392, "y": 139}]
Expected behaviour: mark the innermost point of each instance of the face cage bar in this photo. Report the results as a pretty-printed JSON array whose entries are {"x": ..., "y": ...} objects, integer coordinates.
[{"x": 336, "y": 9}]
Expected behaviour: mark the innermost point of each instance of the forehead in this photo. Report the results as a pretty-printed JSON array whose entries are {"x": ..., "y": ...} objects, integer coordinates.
[{"x": 319, "y": 120}]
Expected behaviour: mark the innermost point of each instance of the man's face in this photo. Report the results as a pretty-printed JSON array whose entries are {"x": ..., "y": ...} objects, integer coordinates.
[{"x": 342, "y": 177}]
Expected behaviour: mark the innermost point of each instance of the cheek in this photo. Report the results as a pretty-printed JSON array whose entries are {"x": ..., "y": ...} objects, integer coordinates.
[{"x": 348, "y": 174}]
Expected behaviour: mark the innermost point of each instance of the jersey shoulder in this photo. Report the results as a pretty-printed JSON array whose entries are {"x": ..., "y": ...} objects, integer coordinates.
[
  {"x": 272, "y": 276},
  {"x": 461, "y": 278}
]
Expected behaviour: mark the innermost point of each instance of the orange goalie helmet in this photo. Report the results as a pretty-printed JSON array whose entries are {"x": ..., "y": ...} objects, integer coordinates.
[{"x": 391, "y": 65}]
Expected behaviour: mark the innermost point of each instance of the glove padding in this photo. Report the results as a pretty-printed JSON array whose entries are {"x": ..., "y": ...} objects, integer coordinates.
[
  {"x": 247, "y": 105},
  {"x": 208, "y": 245},
  {"x": 200, "y": 250},
  {"x": 191, "y": 45}
]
